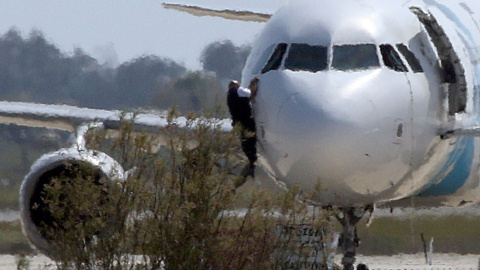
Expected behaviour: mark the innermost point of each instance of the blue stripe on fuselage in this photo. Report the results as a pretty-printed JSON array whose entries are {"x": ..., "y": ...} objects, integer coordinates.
[
  {"x": 453, "y": 17},
  {"x": 461, "y": 161}
]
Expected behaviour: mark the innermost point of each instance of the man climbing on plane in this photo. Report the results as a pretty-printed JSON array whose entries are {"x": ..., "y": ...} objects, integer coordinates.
[{"x": 238, "y": 101}]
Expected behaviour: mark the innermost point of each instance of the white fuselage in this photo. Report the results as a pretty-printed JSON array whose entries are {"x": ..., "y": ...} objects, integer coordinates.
[{"x": 340, "y": 104}]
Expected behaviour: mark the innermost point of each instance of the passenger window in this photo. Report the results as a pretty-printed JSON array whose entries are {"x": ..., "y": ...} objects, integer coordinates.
[
  {"x": 353, "y": 57},
  {"x": 306, "y": 57},
  {"x": 276, "y": 59},
  {"x": 391, "y": 58},
  {"x": 411, "y": 59}
]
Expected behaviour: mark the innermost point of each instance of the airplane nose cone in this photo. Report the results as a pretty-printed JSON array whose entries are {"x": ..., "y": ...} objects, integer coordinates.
[
  {"x": 336, "y": 141},
  {"x": 335, "y": 134}
]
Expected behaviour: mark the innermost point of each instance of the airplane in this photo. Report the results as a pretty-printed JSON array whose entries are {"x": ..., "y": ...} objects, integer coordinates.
[{"x": 376, "y": 101}]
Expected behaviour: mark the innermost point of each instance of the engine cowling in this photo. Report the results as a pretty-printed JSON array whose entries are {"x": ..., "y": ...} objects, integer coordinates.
[{"x": 62, "y": 163}]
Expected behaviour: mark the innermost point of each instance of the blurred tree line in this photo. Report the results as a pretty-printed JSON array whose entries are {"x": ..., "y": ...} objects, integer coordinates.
[{"x": 33, "y": 69}]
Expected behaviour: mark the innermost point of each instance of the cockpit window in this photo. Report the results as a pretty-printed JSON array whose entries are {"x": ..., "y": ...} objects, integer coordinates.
[
  {"x": 352, "y": 57},
  {"x": 391, "y": 59},
  {"x": 263, "y": 59},
  {"x": 411, "y": 59},
  {"x": 276, "y": 59},
  {"x": 306, "y": 57}
]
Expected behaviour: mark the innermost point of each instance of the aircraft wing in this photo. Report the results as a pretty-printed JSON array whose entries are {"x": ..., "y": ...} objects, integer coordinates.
[
  {"x": 226, "y": 14},
  {"x": 69, "y": 118}
]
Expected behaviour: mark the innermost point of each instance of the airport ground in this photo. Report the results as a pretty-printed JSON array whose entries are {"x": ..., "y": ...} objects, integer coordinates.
[
  {"x": 459, "y": 235},
  {"x": 391, "y": 233},
  {"x": 403, "y": 261},
  {"x": 455, "y": 231},
  {"x": 388, "y": 243}
]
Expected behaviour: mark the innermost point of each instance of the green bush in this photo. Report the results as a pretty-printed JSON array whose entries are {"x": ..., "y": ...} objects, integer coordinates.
[{"x": 177, "y": 209}]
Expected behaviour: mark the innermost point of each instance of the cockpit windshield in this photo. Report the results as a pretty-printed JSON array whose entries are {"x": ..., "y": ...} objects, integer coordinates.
[
  {"x": 411, "y": 59},
  {"x": 276, "y": 59},
  {"x": 354, "y": 57},
  {"x": 306, "y": 57},
  {"x": 345, "y": 57},
  {"x": 391, "y": 59}
]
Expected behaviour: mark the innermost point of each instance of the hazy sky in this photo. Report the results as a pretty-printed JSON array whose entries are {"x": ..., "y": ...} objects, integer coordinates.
[{"x": 117, "y": 31}]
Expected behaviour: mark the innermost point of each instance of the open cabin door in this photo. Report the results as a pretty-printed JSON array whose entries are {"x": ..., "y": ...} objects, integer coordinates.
[{"x": 454, "y": 73}]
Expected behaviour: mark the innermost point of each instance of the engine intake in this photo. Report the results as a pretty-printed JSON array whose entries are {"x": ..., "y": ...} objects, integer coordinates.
[{"x": 68, "y": 164}]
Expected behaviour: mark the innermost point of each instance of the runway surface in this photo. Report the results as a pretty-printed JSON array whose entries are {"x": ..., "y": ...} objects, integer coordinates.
[
  {"x": 397, "y": 262},
  {"x": 417, "y": 261}
]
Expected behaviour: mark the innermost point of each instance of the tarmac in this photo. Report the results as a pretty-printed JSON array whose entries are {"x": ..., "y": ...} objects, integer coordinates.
[{"x": 397, "y": 262}]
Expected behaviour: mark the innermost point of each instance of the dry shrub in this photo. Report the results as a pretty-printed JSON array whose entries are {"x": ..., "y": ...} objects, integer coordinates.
[{"x": 176, "y": 209}]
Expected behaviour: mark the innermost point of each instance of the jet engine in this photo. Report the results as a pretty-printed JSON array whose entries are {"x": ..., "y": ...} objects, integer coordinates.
[{"x": 68, "y": 163}]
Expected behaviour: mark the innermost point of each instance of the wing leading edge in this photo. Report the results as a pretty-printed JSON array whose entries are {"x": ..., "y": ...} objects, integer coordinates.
[{"x": 69, "y": 118}]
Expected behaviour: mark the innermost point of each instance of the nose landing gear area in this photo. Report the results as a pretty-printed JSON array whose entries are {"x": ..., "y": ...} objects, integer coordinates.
[{"x": 349, "y": 241}]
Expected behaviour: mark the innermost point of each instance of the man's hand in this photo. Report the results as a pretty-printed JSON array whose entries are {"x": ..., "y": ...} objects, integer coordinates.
[{"x": 253, "y": 87}]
